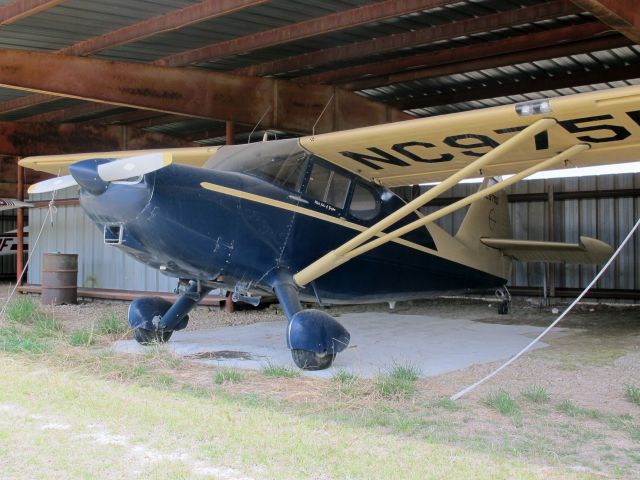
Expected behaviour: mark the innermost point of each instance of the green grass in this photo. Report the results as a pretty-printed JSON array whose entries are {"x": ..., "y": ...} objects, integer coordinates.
[
  {"x": 503, "y": 402},
  {"x": 271, "y": 370},
  {"x": 571, "y": 409},
  {"x": 110, "y": 324},
  {"x": 230, "y": 375},
  {"x": 239, "y": 440},
  {"x": 346, "y": 383},
  {"x": 399, "y": 381},
  {"x": 45, "y": 325},
  {"x": 82, "y": 338},
  {"x": 632, "y": 394},
  {"x": 21, "y": 309},
  {"x": 15, "y": 340},
  {"x": 448, "y": 404},
  {"x": 536, "y": 394}
]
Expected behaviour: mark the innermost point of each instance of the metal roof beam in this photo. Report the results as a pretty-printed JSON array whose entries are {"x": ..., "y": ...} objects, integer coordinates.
[
  {"x": 193, "y": 92},
  {"x": 623, "y": 15},
  {"x": 494, "y": 89},
  {"x": 19, "y": 9},
  {"x": 478, "y": 58},
  {"x": 316, "y": 26},
  {"x": 454, "y": 55},
  {"x": 30, "y": 138},
  {"x": 423, "y": 36},
  {"x": 172, "y": 20}
]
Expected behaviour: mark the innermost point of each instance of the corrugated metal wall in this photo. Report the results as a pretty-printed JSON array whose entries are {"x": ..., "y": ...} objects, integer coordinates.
[
  {"x": 99, "y": 265},
  {"x": 607, "y": 219}
]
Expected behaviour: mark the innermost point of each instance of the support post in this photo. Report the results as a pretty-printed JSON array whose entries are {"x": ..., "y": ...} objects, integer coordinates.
[
  {"x": 230, "y": 131},
  {"x": 230, "y": 140},
  {"x": 20, "y": 225}
]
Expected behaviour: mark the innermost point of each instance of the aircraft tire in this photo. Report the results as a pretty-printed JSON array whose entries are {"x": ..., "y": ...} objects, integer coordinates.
[
  {"x": 149, "y": 337},
  {"x": 307, "y": 360}
]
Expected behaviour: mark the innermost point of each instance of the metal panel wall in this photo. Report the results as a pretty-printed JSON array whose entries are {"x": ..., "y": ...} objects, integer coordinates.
[
  {"x": 608, "y": 219},
  {"x": 99, "y": 265}
]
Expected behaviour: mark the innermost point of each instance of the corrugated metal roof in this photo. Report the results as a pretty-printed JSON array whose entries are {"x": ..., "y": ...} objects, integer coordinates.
[{"x": 76, "y": 20}]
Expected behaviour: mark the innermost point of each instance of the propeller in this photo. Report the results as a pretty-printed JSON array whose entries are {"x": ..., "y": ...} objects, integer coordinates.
[{"x": 120, "y": 169}]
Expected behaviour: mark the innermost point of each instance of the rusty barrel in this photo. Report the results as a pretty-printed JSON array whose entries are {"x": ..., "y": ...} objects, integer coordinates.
[{"x": 59, "y": 278}]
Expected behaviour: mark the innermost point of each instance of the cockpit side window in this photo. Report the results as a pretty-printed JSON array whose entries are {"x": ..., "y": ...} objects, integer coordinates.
[
  {"x": 328, "y": 186},
  {"x": 364, "y": 203},
  {"x": 285, "y": 171}
]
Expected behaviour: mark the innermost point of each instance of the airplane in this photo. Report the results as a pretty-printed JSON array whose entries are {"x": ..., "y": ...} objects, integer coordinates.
[
  {"x": 313, "y": 219},
  {"x": 8, "y": 243}
]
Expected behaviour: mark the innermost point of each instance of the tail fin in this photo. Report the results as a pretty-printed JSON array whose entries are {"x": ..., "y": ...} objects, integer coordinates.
[{"x": 487, "y": 217}]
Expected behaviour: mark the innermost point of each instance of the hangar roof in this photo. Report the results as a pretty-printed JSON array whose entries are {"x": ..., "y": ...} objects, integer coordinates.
[{"x": 425, "y": 57}]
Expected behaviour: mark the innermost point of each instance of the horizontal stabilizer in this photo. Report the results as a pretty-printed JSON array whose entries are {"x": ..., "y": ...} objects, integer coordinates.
[{"x": 587, "y": 250}]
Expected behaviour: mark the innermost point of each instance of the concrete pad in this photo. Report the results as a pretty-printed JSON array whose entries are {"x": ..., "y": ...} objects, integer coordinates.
[{"x": 378, "y": 340}]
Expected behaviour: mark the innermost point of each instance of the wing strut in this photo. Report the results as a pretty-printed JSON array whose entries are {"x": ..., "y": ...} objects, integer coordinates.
[{"x": 355, "y": 247}]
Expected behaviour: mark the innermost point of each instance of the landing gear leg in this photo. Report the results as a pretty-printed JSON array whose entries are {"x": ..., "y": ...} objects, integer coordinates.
[
  {"x": 504, "y": 300},
  {"x": 313, "y": 336},
  {"x": 154, "y": 319}
]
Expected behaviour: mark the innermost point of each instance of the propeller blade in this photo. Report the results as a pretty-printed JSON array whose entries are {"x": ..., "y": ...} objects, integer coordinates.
[
  {"x": 53, "y": 184},
  {"x": 133, "y": 166}
]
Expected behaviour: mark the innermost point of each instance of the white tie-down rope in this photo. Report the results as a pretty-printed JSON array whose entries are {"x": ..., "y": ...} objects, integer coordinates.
[
  {"x": 555, "y": 322},
  {"x": 51, "y": 211}
]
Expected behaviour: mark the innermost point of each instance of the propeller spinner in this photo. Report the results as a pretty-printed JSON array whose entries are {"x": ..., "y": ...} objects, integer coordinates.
[{"x": 94, "y": 175}]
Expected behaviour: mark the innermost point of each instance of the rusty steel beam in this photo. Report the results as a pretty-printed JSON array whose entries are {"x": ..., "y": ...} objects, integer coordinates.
[
  {"x": 192, "y": 92},
  {"x": 172, "y": 20},
  {"x": 69, "y": 113},
  {"x": 423, "y": 36},
  {"x": 25, "y": 139},
  {"x": 623, "y": 15},
  {"x": 471, "y": 65},
  {"x": 316, "y": 26},
  {"x": 533, "y": 84},
  {"x": 518, "y": 43},
  {"x": 19, "y": 9}
]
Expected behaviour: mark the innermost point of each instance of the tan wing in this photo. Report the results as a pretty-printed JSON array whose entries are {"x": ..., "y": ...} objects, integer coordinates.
[
  {"x": 431, "y": 149},
  {"x": 588, "y": 250},
  {"x": 58, "y": 164}
]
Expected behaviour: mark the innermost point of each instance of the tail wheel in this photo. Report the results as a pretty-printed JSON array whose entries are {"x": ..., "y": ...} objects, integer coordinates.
[{"x": 307, "y": 360}]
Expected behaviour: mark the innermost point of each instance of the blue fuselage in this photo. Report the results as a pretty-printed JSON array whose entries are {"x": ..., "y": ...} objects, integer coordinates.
[{"x": 224, "y": 227}]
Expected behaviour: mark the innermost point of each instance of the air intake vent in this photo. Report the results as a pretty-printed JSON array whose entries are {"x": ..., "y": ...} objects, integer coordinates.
[{"x": 113, "y": 234}]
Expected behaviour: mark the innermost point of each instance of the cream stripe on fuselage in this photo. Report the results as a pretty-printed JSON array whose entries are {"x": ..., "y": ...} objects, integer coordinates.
[{"x": 449, "y": 248}]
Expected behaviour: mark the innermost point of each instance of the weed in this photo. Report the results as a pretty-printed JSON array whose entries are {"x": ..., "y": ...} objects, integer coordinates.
[
  {"x": 110, "y": 324},
  {"x": 228, "y": 375},
  {"x": 271, "y": 370},
  {"x": 46, "y": 325},
  {"x": 166, "y": 380},
  {"x": 571, "y": 409},
  {"x": 502, "y": 402},
  {"x": 16, "y": 341},
  {"x": 536, "y": 394},
  {"x": 82, "y": 338},
  {"x": 448, "y": 404},
  {"x": 21, "y": 309},
  {"x": 347, "y": 383},
  {"x": 345, "y": 378},
  {"x": 632, "y": 394},
  {"x": 399, "y": 381}
]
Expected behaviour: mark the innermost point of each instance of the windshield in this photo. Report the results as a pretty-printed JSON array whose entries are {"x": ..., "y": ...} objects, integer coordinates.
[{"x": 280, "y": 162}]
